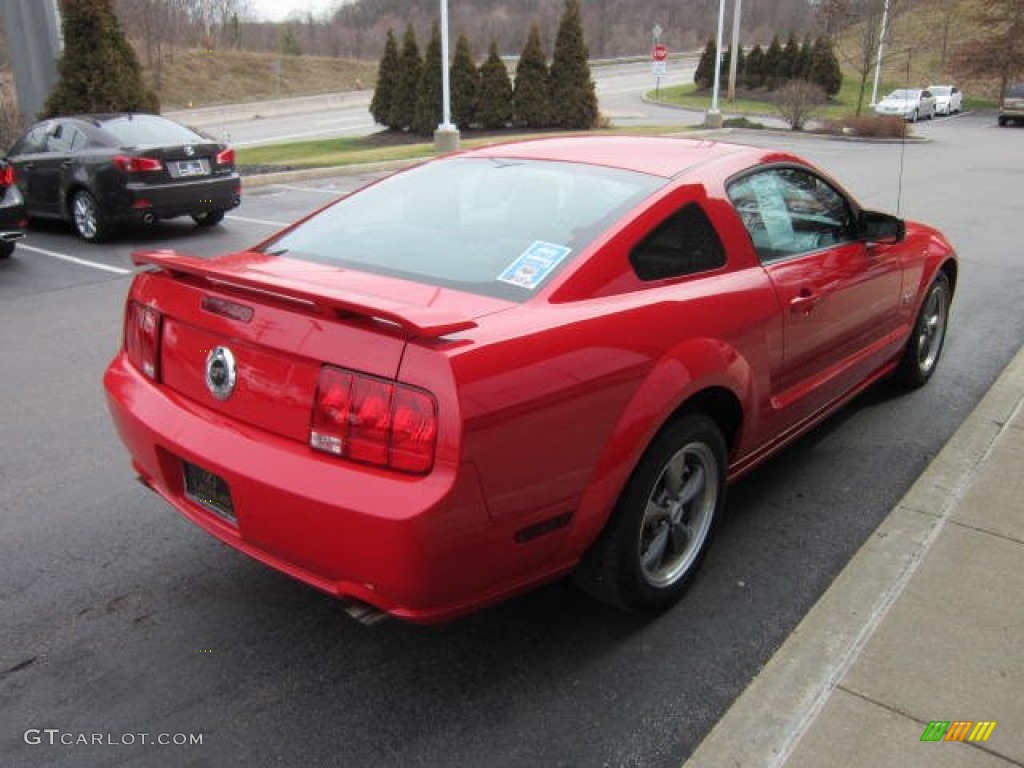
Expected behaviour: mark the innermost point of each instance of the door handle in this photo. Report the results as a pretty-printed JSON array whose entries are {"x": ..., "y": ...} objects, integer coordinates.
[
  {"x": 804, "y": 302},
  {"x": 67, "y": 164}
]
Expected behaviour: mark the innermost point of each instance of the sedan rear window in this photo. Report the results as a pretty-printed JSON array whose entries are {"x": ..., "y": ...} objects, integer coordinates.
[
  {"x": 144, "y": 130},
  {"x": 499, "y": 227}
]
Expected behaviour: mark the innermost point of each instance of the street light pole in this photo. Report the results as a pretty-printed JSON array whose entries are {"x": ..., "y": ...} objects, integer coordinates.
[
  {"x": 446, "y": 137},
  {"x": 734, "y": 61},
  {"x": 713, "y": 119},
  {"x": 881, "y": 49}
]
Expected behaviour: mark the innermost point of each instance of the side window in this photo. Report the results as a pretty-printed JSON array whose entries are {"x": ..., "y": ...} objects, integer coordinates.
[
  {"x": 32, "y": 143},
  {"x": 683, "y": 244},
  {"x": 60, "y": 139},
  {"x": 789, "y": 211}
]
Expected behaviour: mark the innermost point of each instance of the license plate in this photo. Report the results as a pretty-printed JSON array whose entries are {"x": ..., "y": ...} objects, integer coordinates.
[
  {"x": 209, "y": 491},
  {"x": 191, "y": 168}
]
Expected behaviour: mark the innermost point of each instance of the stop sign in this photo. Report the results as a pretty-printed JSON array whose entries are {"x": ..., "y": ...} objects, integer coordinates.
[{"x": 659, "y": 53}]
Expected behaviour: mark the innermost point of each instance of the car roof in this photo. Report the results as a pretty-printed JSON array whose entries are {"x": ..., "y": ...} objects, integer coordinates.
[{"x": 653, "y": 155}]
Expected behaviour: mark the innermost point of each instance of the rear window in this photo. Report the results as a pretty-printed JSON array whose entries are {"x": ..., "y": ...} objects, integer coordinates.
[
  {"x": 148, "y": 130},
  {"x": 1015, "y": 91},
  {"x": 499, "y": 227}
]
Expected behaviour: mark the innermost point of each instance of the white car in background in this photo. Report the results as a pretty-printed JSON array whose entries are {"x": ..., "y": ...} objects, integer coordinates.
[
  {"x": 948, "y": 99},
  {"x": 912, "y": 104}
]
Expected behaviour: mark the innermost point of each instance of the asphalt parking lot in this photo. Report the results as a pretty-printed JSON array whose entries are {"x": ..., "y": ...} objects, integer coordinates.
[{"x": 122, "y": 619}]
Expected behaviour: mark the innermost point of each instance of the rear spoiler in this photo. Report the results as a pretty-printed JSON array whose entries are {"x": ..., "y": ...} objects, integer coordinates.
[{"x": 416, "y": 320}]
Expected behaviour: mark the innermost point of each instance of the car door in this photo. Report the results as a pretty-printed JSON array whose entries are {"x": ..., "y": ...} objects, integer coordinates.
[
  {"x": 38, "y": 170},
  {"x": 839, "y": 298}
]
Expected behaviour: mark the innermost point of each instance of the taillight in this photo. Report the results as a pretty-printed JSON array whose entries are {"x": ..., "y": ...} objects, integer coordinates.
[
  {"x": 142, "y": 338},
  {"x": 226, "y": 157},
  {"x": 7, "y": 176},
  {"x": 373, "y": 420},
  {"x": 129, "y": 164}
]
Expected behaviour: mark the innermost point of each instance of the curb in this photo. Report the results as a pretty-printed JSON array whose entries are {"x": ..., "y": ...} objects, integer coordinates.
[{"x": 765, "y": 724}]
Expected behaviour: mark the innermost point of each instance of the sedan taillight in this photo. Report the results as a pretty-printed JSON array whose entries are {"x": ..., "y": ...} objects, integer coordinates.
[
  {"x": 226, "y": 157},
  {"x": 7, "y": 176},
  {"x": 373, "y": 420},
  {"x": 128, "y": 164},
  {"x": 142, "y": 338}
]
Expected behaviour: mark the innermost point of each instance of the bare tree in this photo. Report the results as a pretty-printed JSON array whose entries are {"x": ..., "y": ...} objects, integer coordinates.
[
  {"x": 998, "y": 53},
  {"x": 798, "y": 101}
]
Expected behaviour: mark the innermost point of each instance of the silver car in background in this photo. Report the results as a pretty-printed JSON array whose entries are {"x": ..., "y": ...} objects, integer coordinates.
[
  {"x": 912, "y": 104},
  {"x": 948, "y": 99}
]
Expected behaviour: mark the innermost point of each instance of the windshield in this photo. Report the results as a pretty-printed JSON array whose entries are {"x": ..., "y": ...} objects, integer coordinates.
[
  {"x": 939, "y": 91},
  {"x": 501, "y": 228},
  {"x": 903, "y": 95}
]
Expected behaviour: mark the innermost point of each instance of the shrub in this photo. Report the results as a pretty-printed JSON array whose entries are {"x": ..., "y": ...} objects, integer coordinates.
[{"x": 873, "y": 126}]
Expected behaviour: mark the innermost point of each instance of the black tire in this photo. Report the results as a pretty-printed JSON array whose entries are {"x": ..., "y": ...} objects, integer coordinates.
[
  {"x": 656, "y": 539},
  {"x": 208, "y": 219},
  {"x": 87, "y": 219},
  {"x": 913, "y": 116},
  {"x": 6, "y": 249},
  {"x": 924, "y": 347},
  {"x": 1003, "y": 120}
]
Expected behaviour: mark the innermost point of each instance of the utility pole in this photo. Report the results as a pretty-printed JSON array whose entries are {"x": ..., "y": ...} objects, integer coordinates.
[
  {"x": 713, "y": 118},
  {"x": 34, "y": 44},
  {"x": 881, "y": 49},
  {"x": 734, "y": 61},
  {"x": 446, "y": 137}
]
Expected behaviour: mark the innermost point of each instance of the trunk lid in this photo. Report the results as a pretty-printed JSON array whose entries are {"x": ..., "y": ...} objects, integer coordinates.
[{"x": 280, "y": 321}]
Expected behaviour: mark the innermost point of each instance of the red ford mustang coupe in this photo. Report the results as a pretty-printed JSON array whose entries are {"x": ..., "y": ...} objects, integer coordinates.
[{"x": 516, "y": 363}]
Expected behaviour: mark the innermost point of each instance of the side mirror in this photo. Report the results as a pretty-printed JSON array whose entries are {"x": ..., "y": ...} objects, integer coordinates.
[{"x": 878, "y": 227}]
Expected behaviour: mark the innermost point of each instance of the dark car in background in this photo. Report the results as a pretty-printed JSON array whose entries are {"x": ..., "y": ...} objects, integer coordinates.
[
  {"x": 98, "y": 171},
  {"x": 12, "y": 211}
]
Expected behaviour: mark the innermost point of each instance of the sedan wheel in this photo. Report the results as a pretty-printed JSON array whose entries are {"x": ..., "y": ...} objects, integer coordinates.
[
  {"x": 924, "y": 347},
  {"x": 658, "y": 534},
  {"x": 6, "y": 249},
  {"x": 86, "y": 217}
]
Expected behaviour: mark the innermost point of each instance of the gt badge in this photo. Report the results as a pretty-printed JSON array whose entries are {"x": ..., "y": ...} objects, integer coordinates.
[{"x": 220, "y": 372}]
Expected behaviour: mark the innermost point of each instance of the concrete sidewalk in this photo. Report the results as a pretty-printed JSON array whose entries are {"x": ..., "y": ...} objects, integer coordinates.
[{"x": 925, "y": 624}]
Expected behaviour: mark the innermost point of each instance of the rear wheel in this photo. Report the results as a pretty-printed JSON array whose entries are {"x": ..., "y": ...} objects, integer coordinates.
[
  {"x": 1003, "y": 120},
  {"x": 85, "y": 215},
  {"x": 913, "y": 116},
  {"x": 924, "y": 347},
  {"x": 657, "y": 536},
  {"x": 208, "y": 219},
  {"x": 6, "y": 249}
]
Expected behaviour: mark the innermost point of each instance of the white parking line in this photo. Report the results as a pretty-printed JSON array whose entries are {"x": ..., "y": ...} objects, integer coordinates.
[
  {"x": 264, "y": 222},
  {"x": 315, "y": 190},
  {"x": 75, "y": 260}
]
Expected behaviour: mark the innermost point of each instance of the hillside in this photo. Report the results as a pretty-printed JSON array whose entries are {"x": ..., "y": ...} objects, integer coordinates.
[{"x": 199, "y": 78}]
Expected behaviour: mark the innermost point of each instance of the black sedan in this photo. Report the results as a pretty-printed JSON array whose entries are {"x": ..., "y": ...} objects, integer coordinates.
[
  {"x": 97, "y": 171},
  {"x": 12, "y": 211}
]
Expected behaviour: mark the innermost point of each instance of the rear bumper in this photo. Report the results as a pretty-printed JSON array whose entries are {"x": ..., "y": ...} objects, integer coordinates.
[
  {"x": 183, "y": 198},
  {"x": 419, "y": 548}
]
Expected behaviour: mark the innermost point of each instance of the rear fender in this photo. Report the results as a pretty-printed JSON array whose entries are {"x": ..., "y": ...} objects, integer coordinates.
[{"x": 694, "y": 366}]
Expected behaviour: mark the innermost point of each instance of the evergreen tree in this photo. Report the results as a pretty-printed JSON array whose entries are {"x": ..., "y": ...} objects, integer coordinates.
[
  {"x": 98, "y": 71},
  {"x": 495, "y": 107},
  {"x": 803, "y": 65},
  {"x": 530, "y": 95},
  {"x": 465, "y": 82},
  {"x": 789, "y": 67},
  {"x": 753, "y": 73},
  {"x": 825, "y": 70},
  {"x": 290, "y": 43},
  {"x": 403, "y": 103},
  {"x": 704, "y": 77},
  {"x": 571, "y": 96},
  {"x": 772, "y": 64},
  {"x": 429, "y": 108},
  {"x": 387, "y": 82}
]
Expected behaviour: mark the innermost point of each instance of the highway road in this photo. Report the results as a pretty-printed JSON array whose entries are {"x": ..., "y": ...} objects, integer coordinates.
[
  {"x": 120, "y": 618},
  {"x": 620, "y": 88}
]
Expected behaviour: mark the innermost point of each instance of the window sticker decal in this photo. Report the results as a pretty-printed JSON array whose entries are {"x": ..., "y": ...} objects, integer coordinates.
[{"x": 534, "y": 265}]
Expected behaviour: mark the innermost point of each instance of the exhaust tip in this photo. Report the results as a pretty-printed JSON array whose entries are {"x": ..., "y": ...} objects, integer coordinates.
[
  {"x": 364, "y": 613},
  {"x": 148, "y": 217}
]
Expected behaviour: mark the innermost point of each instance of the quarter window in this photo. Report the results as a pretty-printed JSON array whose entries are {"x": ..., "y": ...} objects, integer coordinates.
[
  {"x": 789, "y": 211},
  {"x": 683, "y": 244}
]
